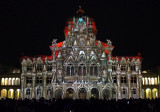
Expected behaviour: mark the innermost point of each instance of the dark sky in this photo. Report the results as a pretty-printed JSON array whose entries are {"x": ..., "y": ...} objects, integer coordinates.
[{"x": 27, "y": 27}]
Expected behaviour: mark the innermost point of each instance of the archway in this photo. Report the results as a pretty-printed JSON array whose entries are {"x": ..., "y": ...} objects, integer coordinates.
[
  {"x": 17, "y": 93},
  {"x": 70, "y": 93},
  {"x": 58, "y": 93},
  {"x": 11, "y": 93},
  {"x": 105, "y": 94},
  {"x": 82, "y": 93},
  {"x": 94, "y": 93},
  {"x": 155, "y": 93},
  {"x": 2, "y": 81},
  {"x": 148, "y": 93},
  {"x": 3, "y": 93}
]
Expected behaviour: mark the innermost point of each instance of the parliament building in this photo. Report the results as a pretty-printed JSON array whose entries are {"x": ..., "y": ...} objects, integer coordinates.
[{"x": 81, "y": 67}]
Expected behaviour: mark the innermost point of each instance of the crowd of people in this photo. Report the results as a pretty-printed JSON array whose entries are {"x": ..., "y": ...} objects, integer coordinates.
[{"x": 87, "y": 105}]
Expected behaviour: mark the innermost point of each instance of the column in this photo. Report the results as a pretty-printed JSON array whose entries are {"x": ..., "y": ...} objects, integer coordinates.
[
  {"x": 129, "y": 86},
  {"x": 138, "y": 93},
  {"x": 33, "y": 86},
  {"x": 140, "y": 86},
  {"x": 119, "y": 87},
  {"x": 44, "y": 85}
]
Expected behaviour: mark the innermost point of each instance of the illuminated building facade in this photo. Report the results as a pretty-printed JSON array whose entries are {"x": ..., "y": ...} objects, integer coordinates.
[
  {"x": 151, "y": 85},
  {"x": 81, "y": 67},
  {"x": 10, "y": 85}
]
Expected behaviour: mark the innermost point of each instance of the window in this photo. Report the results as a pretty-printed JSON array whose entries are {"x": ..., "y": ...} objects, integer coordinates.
[
  {"x": 123, "y": 91},
  {"x": 49, "y": 92},
  {"x": 49, "y": 67},
  {"x": 72, "y": 70},
  {"x": 68, "y": 70},
  {"x": 133, "y": 91},
  {"x": 114, "y": 92},
  {"x": 28, "y": 92},
  {"x": 29, "y": 68},
  {"x": 123, "y": 68},
  {"x": 95, "y": 71},
  {"x": 123, "y": 79},
  {"x": 133, "y": 68},
  {"x": 133, "y": 79},
  {"x": 39, "y": 68},
  {"x": 38, "y": 91},
  {"x": 91, "y": 70},
  {"x": 39, "y": 80},
  {"x": 113, "y": 68},
  {"x": 84, "y": 70},
  {"x": 114, "y": 79},
  {"x": 79, "y": 70},
  {"x": 29, "y": 80},
  {"x": 49, "y": 79}
]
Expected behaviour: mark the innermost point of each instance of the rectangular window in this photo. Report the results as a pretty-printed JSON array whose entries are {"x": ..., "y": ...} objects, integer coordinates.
[
  {"x": 133, "y": 91},
  {"x": 113, "y": 68},
  {"x": 123, "y": 79},
  {"x": 133, "y": 68},
  {"x": 133, "y": 79},
  {"x": 39, "y": 68},
  {"x": 114, "y": 79},
  {"x": 39, "y": 80},
  {"x": 49, "y": 79},
  {"x": 29, "y": 68},
  {"x": 49, "y": 67},
  {"x": 124, "y": 91},
  {"x": 123, "y": 68},
  {"x": 29, "y": 80}
]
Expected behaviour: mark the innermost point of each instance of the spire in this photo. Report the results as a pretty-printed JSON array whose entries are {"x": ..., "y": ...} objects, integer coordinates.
[
  {"x": 75, "y": 43},
  {"x": 80, "y": 11}
]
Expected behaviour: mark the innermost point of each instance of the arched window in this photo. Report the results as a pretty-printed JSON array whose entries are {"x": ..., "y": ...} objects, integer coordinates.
[
  {"x": 68, "y": 70},
  {"x": 91, "y": 70},
  {"x": 84, "y": 70},
  {"x": 123, "y": 91},
  {"x": 2, "y": 81},
  {"x": 13, "y": 81},
  {"x": 72, "y": 70},
  {"x": 28, "y": 92},
  {"x": 49, "y": 92},
  {"x": 133, "y": 91},
  {"x": 6, "y": 81},
  {"x": 79, "y": 70},
  {"x": 38, "y": 91},
  {"x": 95, "y": 71}
]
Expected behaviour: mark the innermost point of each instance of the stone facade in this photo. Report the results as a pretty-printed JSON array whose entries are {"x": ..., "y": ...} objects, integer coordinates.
[{"x": 81, "y": 67}]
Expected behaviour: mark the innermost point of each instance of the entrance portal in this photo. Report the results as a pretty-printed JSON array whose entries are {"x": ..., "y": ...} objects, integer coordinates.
[
  {"x": 94, "y": 93},
  {"x": 82, "y": 93},
  {"x": 69, "y": 93},
  {"x": 105, "y": 94},
  {"x": 58, "y": 93}
]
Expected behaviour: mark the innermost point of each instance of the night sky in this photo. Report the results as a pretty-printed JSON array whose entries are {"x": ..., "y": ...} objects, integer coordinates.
[{"x": 27, "y": 27}]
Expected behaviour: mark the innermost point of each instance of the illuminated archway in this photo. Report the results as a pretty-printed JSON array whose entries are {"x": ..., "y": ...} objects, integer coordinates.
[
  {"x": 17, "y": 81},
  {"x": 82, "y": 93},
  {"x": 6, "y": 81},
  {"x": 3, "y": 93},
  {"x": 155, "y": 93},
  {"x": 10, "y": 81},
  {"x": 17, "y": 93},
  {"x": 94, "y": 93},
  {"x": 11, "y": 93},
  {"x": 13, "y": 81},
  {"x": 2, "y": 81},
  {"x": 148, "y": 93},
  {"x": 70, "y": 93}
]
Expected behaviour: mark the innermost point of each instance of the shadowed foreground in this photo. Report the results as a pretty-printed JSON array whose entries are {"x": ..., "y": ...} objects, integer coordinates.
[{"x": 68, "y": 105}]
